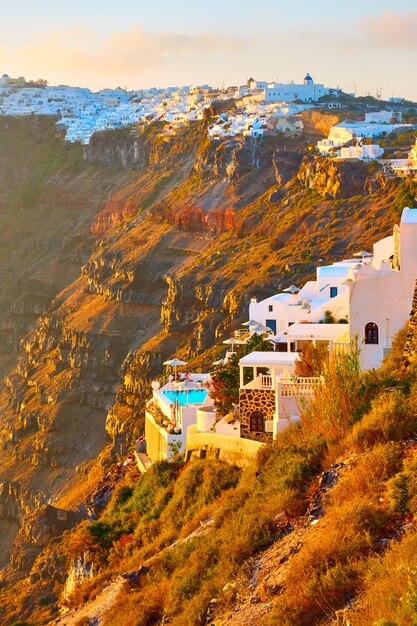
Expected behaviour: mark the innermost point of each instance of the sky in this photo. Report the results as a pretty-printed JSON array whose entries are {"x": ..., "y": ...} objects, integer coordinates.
[{"x": 360, "y": 46}]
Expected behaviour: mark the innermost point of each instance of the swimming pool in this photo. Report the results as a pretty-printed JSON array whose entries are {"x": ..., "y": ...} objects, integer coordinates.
[{"x": 189, "y": 396}]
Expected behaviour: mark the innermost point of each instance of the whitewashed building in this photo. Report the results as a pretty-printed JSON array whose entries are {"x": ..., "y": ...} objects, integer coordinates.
[
  {"x": 368, "y": 297},
  {"x": 307, "y": 91},
  {"x": 361, "y": 151},
  {"x": 345, "y": 132},
  {"x": 403, "y": 167}
]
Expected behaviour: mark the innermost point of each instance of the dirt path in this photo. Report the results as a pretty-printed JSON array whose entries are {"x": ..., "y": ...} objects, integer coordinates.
[{"x": 96, "y": 610}]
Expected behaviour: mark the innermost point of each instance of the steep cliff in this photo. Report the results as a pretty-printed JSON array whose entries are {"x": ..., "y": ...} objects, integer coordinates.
[
  {"x": 337, "y": 179},
  {"x": 152, "y": 246}
]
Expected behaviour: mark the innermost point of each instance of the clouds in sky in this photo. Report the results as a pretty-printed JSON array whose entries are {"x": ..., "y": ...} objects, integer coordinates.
[
  {"x": 358, "y": 50},
  {"x": 392, "y": 30},
  {"x": 124, "y": 56}
]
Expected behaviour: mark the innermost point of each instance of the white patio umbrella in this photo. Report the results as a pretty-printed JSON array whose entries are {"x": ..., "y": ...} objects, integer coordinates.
[
  {"x": 174, "y": 363},
  {"x": 233, "y": 342},
  {"x": 261, "y": 328},
  {"x": 291, "y": 289},
  {"x": 363, "y": 254},
  {"x": 250, "y": 323}
]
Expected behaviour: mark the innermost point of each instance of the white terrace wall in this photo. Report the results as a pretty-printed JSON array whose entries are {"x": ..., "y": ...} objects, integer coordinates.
[
  {"x": 234, "y": 450},
  {"x": 158, "y": 440}
]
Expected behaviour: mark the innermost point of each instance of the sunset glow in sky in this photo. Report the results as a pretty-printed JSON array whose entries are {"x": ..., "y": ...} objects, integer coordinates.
[{"x": 371, "y": 45}]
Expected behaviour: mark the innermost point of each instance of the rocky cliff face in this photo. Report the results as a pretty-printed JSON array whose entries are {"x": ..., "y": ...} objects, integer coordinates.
[
  {"x": 334, "y": 179},
  {"x": 286, "y": 164},
  {"x": 318, "y": 123},
  {"x": 123, "y": 148},
  {"x": 161, "y": 259}
]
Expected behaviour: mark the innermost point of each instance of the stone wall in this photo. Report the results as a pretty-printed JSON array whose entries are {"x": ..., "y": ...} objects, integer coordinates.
[{"x": 250, "y": 400}]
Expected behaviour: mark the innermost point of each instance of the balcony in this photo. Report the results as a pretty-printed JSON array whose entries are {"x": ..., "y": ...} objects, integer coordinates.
[
  {"x": 264, "y": 381},
  {"x": 305, "y": 386}
]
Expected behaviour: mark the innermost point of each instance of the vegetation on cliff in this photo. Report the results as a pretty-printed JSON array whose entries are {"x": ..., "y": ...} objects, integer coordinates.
[
  {"x": 112, "y": 270},
  {"x": 200, "y": 527}
]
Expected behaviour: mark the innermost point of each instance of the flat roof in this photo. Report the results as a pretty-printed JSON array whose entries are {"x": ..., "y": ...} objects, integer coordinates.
[
  {"x": 282, "y": 297},
  {"x": 336, "y": 270},
  {"x": 269, "y": 358}
]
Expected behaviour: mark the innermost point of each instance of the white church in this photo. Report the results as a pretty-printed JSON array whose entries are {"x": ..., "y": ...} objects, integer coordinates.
[
  {"x": 368, "y": 296},
  {"x": 307, "y": 91}
]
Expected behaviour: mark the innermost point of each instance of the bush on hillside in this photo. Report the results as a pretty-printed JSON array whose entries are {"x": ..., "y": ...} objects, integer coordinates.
[
  {"x": 329, "y": 563},
  {"x": 390, "y": 586},
  {"x": 312, "y": 360},
  {"x": 392, "y": 417},
  {"x": 338, "y": 403}
]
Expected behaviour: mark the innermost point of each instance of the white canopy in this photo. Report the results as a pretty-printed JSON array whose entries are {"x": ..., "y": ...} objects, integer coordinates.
[
  {"x": 268, "y": 359},
  {"x": 320, "y": 332},
  {"x": 175, "y": 362}
]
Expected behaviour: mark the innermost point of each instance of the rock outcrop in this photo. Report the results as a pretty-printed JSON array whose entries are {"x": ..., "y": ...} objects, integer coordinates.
[
  {"x": 286, "y": 164},
  {"x": 334, "y": 179}
]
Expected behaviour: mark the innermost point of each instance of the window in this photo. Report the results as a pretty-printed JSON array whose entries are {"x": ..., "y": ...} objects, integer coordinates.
[
  {"x": 270, "y": 307},
  {"x": 371, "y": 333},
  {"x": 257, "y": 422},
  {"x": 333, "y": 292}
]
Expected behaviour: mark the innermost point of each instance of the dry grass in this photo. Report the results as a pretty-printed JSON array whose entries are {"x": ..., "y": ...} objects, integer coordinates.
[
  {"x": 145, "y": 609},
  {"x": 392, "y": 417},
  {"x": 390, "y": 587},
  {"x": 337, "y": 557},
  {"x": 337, "y": 403},
  {"x": 326, "y": 571},
  {"x": 368, "y": 476}
]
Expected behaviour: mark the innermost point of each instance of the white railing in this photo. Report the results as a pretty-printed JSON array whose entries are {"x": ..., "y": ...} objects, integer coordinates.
[
  {"x": 260, "y": 382},
  {"x": 266, "y": 381},
  {"x": 340, "y": 347},
  {"x": 304, "y": 386}
]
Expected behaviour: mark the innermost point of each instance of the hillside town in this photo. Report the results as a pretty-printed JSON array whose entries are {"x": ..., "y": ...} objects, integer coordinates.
[{"x": 254, "y": 109}]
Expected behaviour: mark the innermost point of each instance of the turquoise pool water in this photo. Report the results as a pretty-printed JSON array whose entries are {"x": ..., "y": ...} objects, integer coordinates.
[{"x": 191, "y": 396}]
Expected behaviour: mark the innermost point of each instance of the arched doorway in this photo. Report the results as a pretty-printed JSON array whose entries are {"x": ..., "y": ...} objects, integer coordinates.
[
  {"x": 257, "y": 422},
  {"x": 371, "y": 333}
]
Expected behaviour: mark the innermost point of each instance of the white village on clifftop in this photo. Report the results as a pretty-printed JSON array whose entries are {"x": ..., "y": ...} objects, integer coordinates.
[
  {"x": 366, "y": 299},
  {"x": 253, "y": 110}
]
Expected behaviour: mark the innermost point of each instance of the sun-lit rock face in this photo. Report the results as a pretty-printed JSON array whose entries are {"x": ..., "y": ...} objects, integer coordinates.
[
  {"x": 108, "y": 271},
  {"x": 334, "y": 179}
]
